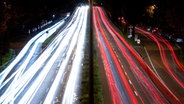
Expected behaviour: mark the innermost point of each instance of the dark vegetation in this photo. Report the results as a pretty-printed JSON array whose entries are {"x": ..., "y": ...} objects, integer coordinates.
[
  {"x": 165, "y": 14},
  {"x": 20, "y": 19},
  {"x": 85, "y": 80},
  {"x": 6, "y": 58}
]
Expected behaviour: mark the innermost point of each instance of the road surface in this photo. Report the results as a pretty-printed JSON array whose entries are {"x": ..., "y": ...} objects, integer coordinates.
[
  {"x": 130, "y": 78},
  {"x": 52, "y": 75}
]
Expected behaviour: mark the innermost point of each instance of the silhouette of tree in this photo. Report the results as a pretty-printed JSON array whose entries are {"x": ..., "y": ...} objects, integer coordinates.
[
  {"x": 5, "y": 16},
  {"x": 131, "y": 10}
]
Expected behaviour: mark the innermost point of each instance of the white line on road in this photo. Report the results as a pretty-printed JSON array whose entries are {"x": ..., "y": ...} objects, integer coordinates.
[
  {"x": 136, "y": 93},
  {"x": 130, "y": 81},
  {"x": 151, "y": 61}
]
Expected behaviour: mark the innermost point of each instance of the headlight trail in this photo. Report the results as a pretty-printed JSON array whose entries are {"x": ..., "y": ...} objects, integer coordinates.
[
  {"x": 62, "y": 56},
  {"x": 70, "y": 90},
  {"x": 66, "y": 47},
  {"x": 39, "y": 37}
]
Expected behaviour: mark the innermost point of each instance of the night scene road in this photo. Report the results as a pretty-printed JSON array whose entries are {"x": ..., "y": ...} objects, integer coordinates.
[
  {"x": 130, "y": 78},
  {"x": 90, "y": 56},
  {"x": 52, "y": 75}
]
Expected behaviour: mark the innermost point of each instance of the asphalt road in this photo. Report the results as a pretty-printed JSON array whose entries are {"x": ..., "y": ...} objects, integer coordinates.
[
  {"x": 130, "y": 78},
  {"x": 50, "y": 76}
]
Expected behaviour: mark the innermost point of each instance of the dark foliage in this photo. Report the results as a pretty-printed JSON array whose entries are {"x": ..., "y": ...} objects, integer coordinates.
[
  {"x": 168, "y": 14},
  {"x": 19, "y": 16}
]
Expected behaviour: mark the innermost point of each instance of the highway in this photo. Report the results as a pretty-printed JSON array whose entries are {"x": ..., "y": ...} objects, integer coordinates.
[
  {"x": 149, "y": 74},
  {"x": 50, "y": 75},
  {"x": 130, "y": 78},
  {"x": 168, "y": 67},
  {"x": 161, "y": 56}
]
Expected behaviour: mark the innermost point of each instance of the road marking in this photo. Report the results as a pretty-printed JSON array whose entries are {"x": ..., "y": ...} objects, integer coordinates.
[
  {"x": 119, "y": 60},
  {"x": 52, "y": 79},
  {"x": 58, "y": 65},
  {"x": 56, "y": 100},
  {"x": 130, "y": 81},
  {"x": 47, "y": 89},
  {"x": 150, "y": 61},
  {"x": 178, "y": 46},
  {"x": 136, "y": 93},
  {"x": 41, "y": 102},
  {"x": 122, "y": 66},
  {"x": 125, "y": 73}
]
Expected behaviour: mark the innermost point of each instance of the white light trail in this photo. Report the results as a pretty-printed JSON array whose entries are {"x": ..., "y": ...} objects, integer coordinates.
[
  {"x": 15, "y": 87},
  {"x": 65, "y": 62},
  {"x": 68, "y": 44},
  {"x": 26, "y": 49},
  {"x": 76, "y": 65}
]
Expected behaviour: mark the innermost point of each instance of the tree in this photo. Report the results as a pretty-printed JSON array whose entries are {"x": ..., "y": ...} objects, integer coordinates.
[
  {"x": 174, "y": 16},
  {"x": 133, "y": 11},
  {"x": 15, "y": 16},
  {"x": 4, "y": 18}
]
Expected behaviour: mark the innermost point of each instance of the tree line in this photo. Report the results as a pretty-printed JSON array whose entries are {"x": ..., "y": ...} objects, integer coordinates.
[
  {"x": 18, "y": 17},
  {"x": 167, "y": 14}
]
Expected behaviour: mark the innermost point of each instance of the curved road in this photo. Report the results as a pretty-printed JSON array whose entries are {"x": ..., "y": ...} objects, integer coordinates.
[{"x": 129, "y": 77}]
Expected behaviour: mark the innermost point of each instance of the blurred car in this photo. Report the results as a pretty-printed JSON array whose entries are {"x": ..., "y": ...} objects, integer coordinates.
[{"x": 179, "y": 40}]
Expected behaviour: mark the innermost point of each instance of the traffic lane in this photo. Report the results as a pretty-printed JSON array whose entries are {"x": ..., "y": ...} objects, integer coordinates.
[
  {"x": 122, "y": 78},
  {"x": 112, "y": 87},
  {"x": 26, "y": 81},
  {"x": 154, "y": 90},
  {"x": 66, "y": 43},
  {"x": 26, "y": 50},
  {"x": 125, "y": 65},
  {"x": 72, "y": 91},
  {"x": 139, "y": 89},
  {"x": 33, "y": 69},
  {"x": 172, "y": 57},
  {"x": 111, "y": 81},
  {"x": 141, "y": 94},
  {"x": 168, "y": 56},
  {"x": 159, "y": 53},
  {"x": 43, "y": 89},
  {"x": 161, "y": 71},
  {"x": 18, "y": 70},
  {"x": 171, "y": 47},
  {"x": 60, "y": 53}
]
